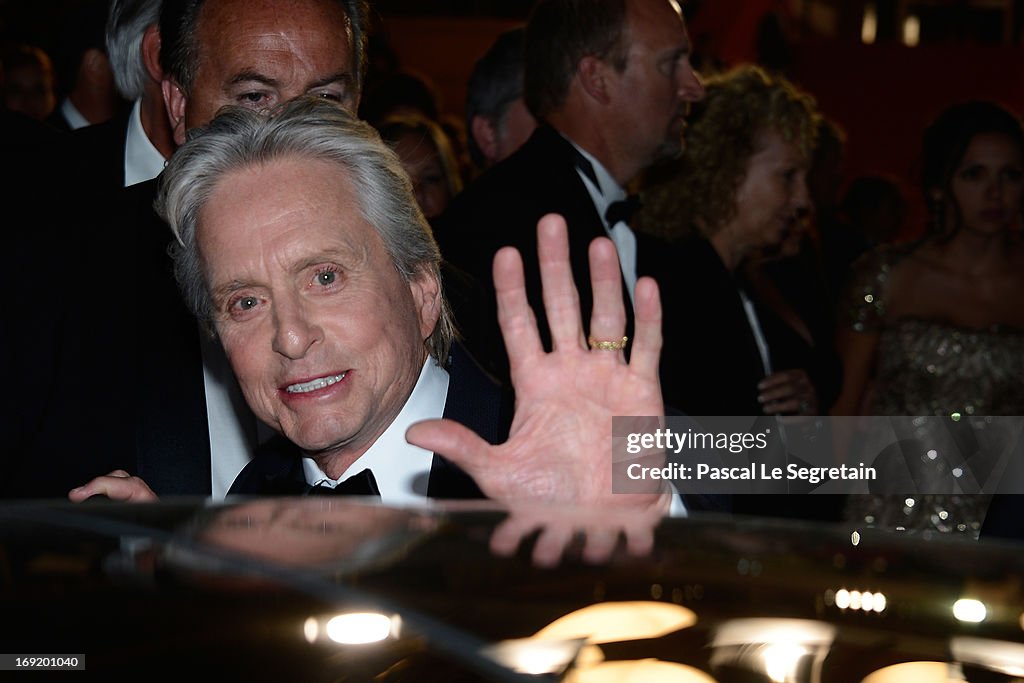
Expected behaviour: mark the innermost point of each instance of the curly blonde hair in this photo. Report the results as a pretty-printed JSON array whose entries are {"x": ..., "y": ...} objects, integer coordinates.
[{"x": 696, "y": 193}]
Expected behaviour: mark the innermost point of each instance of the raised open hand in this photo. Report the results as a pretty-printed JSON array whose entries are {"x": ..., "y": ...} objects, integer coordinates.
[{"x": 560, "y": 444}]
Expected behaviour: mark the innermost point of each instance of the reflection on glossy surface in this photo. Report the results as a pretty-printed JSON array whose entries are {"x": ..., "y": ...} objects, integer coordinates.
[
  {"x": 642, "y": 671},
  {"x": 535, "y": 656},
  {"x": 610, "y": 622},
  {"x": 571, "y": 639},
  {"x": 917, "y": 672},
  {"x": 1006, "y": 658},
  {"x": 730, "y": 600},
  {"x": 311, "y": 532},
  {"x": 781, "y": 649},
  {"x": 359, "y": 628},
  {"x": 970, "y": 610},
  {"x": 866, "y": 601}
]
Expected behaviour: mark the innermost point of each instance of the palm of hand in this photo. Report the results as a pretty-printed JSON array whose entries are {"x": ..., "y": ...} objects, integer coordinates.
[{"x": 560, "y": 443}]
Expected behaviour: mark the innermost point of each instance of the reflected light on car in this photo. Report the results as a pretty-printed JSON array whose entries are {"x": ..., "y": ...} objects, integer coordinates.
[
  {"x": 573, "y": 639},
  {"x": 970, "y": 610},
  {"x": 646, "y": 670},
  {"x": 774, "y": 647},
  {"x": 781, "y": 660},
  {"x": 354, "y": 628},
  {"x": 997, "y": 655},
  {"x": 610, "y": 622},
  {"x": 538, "y": 657},
  {"x": 865, "y": 601},
  {"x": 534, "y": 657},
  {"x": 918, "y": 672}
]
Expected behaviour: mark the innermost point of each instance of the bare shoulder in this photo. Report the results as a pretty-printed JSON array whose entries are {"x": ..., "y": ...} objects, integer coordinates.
[{"x": 938, "y": 281}]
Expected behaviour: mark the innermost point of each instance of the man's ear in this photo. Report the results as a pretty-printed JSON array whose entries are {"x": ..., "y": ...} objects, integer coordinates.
[
  {"x": 95, "y": 64},
  {"x": 426, "y": 295},
  {"x": 486, "y": 137},
  {"x": 151, "y": 52},
  {"x": 592, "y": 73},
  {"x": 176, "y": 102}
]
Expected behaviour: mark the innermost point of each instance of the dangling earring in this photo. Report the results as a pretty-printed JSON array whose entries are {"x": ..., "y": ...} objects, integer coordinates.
[{"x": 936, "y": 212}]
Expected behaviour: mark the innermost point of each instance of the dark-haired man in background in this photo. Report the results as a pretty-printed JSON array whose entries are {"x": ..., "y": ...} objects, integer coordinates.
[
  {"x": 611, "y": 83},
  {"x": 497, "y": 120}
]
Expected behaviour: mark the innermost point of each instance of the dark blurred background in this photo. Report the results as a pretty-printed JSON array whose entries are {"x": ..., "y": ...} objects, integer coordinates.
[{"x": 881, "y": 69}]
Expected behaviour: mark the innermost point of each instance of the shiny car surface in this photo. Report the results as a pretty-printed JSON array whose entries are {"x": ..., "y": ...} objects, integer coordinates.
[{"x": 328, "y": 590}]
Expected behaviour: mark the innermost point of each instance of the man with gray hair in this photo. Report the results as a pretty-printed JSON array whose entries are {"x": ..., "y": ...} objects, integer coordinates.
[
  {"x": 256, "y": 54},
  {"x": 132, "y": 148},
  {"x": 164, "y": 404},
  {"x": 299, "y": 240}
]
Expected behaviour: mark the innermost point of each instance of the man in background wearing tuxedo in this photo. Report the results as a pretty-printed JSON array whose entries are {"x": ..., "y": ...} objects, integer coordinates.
[{"x": 611, "y": 83}]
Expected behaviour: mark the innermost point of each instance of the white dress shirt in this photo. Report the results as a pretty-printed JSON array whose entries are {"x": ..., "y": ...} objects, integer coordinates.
[
  {"x": 400, "y": 469},
  {"x": 142, "y": 160},
  {"x": 755, "y": 328},
  {"x": 72, "y": 115},
  {"x": 603, "y": 194},
  {"x": 231, "y": 425}
]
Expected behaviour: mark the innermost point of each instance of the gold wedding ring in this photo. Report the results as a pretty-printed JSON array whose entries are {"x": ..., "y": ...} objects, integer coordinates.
[{"x": 602, "y": 345}]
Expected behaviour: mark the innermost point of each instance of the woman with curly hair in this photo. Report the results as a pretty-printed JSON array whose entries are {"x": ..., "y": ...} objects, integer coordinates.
[{"x": 735, "y": 196}]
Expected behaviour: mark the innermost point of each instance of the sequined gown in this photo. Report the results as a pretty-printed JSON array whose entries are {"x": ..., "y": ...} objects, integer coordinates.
[{"x": 932, "y": 367}]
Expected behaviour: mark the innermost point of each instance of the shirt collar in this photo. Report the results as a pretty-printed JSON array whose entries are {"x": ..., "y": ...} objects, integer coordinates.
[
  {"x": 606, "y": 190},
  {"x": 72, "y": 115},
  {"x": 142, "y": 160},
  {"x": 401, "y": 469}
]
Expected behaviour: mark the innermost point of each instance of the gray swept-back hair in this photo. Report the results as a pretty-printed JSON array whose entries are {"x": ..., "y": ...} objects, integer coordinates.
[
  {"x": 305, "y": 128},
  {"x": 126, "y": 24}
]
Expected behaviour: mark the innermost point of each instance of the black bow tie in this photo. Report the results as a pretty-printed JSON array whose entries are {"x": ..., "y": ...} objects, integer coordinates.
[
  {"x": 362, "y": 484},
  {"x": 622, "y": 210}
]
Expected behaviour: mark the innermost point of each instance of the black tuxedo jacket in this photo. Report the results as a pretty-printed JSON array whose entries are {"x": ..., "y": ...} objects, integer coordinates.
[
  {"x": 474, "y": 400},
  {"x": 502, "y": 208},
  {"x": 718, "y": 356},
  {"x": 61, "y": 421},
  {"x": 56, "y": 119},
  {"x": 170, "y": 429},
  {"x": 101, "y": 149},
  {"x": 110, "y": 354},
  {"x": 172, "y": 432}
]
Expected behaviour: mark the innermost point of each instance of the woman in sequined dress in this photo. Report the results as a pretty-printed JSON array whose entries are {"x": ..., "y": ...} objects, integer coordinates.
[{"x": 937, "y": 327}]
